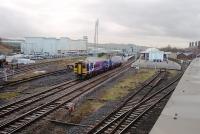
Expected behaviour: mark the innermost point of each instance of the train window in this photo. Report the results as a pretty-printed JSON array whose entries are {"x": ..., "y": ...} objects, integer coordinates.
[
  {"x": 91, "y": 65},
  {"x": 88, "y": 67},
  {"x": 83, "y": 65},
  {"x": 76, "y": 65}
]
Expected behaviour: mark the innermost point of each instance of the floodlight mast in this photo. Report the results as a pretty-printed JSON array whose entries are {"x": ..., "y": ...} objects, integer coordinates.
[{"x": 96, "y": 38}]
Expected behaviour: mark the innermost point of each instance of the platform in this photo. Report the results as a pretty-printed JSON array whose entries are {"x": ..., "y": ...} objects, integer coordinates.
[{"x": 181, "y": 115}]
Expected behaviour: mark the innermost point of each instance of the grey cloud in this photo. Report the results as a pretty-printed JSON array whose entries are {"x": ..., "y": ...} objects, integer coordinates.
[
  {"x": 149, "y": 19},
  {"x": 172, "y": 18},
  {"x": 16, "y": 24}
]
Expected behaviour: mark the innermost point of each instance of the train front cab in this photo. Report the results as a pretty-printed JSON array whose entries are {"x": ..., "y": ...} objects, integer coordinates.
[{"x": 80, "y": 70}]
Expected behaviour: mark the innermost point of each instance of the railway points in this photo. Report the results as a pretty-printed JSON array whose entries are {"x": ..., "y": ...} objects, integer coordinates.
[
  {"x": 128, "y": 113},
  {"x": 31, "y": 116},
  {"x": 23, "y": 113}
]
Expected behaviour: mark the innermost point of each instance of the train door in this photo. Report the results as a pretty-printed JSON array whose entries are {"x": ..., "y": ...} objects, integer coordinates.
[
  {"x": 79, "y": 68},
  {"x": 75, "y": 68}
]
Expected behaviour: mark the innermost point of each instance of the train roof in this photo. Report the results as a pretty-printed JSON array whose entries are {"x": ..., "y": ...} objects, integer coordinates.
[{"x": 94, "y": 59}]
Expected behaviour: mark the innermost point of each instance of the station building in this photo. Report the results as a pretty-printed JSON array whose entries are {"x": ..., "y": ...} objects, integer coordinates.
[
  {"x": 153, "y": 54},
  {"x": 53, "y": 46}
]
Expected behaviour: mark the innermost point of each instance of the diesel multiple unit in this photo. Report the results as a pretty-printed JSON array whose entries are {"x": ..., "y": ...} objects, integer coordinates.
[{"x": 89, "y": 68}]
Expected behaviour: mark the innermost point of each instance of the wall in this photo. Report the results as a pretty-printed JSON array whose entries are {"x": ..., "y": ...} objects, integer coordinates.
[
  {"x": 157, "y": 55},
  {"x": 52, "y": 46}
]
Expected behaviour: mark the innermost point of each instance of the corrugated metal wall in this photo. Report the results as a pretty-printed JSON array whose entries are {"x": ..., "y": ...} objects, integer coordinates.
[{"x": 53, "y": 46}]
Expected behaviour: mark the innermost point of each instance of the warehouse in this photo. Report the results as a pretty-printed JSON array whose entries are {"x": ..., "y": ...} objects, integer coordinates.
[
  {"x": 53, "y": 46},
  {"x": 153, "y": 54}
]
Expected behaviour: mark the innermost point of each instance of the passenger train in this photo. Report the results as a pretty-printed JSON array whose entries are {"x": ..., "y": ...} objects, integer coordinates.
[{"x": 94, "y": 66}]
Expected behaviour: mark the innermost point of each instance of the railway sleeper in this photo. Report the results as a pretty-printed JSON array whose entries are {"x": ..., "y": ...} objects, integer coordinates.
[
  {"x": 9, "y": 129},
  {"x": 123, "y": 126},
  {"x": 37, "y": 114},
  {"x": 13, "y": 126},
  {"x": 4, "y": 111},
  {"x": 19, "y": 123},
  {"x": 24, "y": 120},
  {"x": 14, "y": 106},
  {"x": 3, "y": 132},
  {"x": 111, "y": 119},
  {"x": 132, "y": 102},
  {"x": 49, "y": 108},
  {"x": 118, "y": 114},
  {"x": 29, "y": 118},
  {"x": 40, "y": 112},
  {"x": 107, "y": 122},
  {"x": 134, "y": 115},
  {"x": 128, "y": 121},
  {"x": 43, "y": 110},
  {"x": 33, "y": 116},
  {"x": 129, "y": 105},
  {"x": 116, "y": 123},
  {"x": 108, "y": 130},
  {"x": 125, "y": 109},
  {"x": 122, "y": 111}
]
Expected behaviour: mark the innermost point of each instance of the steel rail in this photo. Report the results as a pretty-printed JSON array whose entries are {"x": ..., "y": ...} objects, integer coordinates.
[
  {"x": 26, "y": 68},
  {"x": 142, "y": 87},
  {"x": 142, "y": 114},
  {"x": 14, "y": 125},
  {"x": 12, "y": 83},
  {"x": 131, "y": 110},
  {"x": 8, "y": 109},
  {"x": 123, "y": 116}
]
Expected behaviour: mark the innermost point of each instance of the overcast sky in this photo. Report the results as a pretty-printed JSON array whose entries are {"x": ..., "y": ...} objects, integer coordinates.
[{"x": 154, "y": 23}]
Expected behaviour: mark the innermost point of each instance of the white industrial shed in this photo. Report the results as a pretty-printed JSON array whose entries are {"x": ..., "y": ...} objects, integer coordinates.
[
  {"x": 53, "y": 46},
  {"x": 153, "y": 54}
]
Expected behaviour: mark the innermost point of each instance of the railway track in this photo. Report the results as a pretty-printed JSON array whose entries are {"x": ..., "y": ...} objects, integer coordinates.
[
  {"x": 60, "y": 99},
  {"x": 19, "y": 104},
  {"x": 12, "y": 83},
  {"x": 128, "y": 114},
  {"x": 26, "y": 68}
]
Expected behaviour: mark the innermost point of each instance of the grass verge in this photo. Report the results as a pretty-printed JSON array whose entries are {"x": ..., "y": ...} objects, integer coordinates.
[
  {"x": 85, "y": 109},
  {"x": 124, "y": 86},
  {"x": 121, "y": 89},
  {"x": 8, "y": 95}
]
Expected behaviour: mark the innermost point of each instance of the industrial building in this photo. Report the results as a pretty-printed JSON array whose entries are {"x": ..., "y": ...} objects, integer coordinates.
[
  {"x": 53, "y": 46},
  {"x": 65, "y": 45},
  {"x": 185, "y": 56},
  {"x": 153, "y": 54},
  {"x": 129, "y": 49},
  {"x": 195, "y": 44}
]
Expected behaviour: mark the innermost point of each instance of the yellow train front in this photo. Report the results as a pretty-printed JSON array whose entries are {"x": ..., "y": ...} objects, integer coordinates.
[
  {"x": 80, "y": 69},
  {"x": 88, "y": 69}
]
